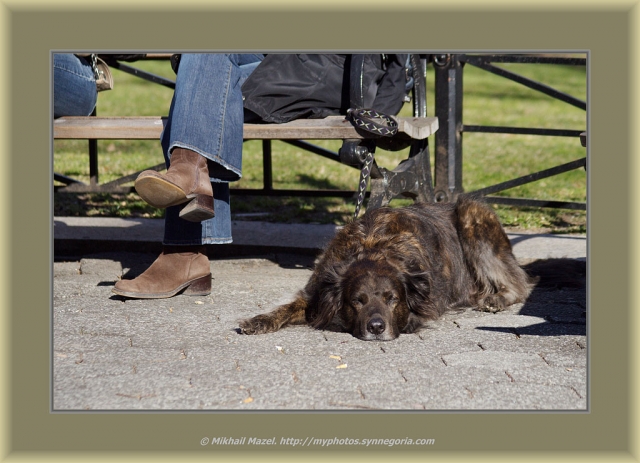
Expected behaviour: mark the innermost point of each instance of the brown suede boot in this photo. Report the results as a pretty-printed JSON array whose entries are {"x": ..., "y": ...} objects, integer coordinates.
[
  {"x": 177, "y": 268},
  {"x": 187, "y": 179}
]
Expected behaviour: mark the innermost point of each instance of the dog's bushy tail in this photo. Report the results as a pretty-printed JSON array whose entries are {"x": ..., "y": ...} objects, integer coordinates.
[{"x": 499, "y": 278}]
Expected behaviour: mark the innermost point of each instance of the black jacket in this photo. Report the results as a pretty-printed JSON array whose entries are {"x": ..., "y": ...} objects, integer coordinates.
[{"x": 285, "y": 87}]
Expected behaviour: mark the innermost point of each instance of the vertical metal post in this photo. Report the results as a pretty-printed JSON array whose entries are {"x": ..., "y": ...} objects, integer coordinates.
[
  {"x": 420, "y": 149},
  {"x": 448, "y": 108},
  {"x": 267, "y": 169},
  {"x": 93, "y": 159}
]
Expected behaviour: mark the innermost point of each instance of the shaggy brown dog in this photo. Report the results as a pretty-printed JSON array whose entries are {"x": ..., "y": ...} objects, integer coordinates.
[{"x": 393, "y": 269}]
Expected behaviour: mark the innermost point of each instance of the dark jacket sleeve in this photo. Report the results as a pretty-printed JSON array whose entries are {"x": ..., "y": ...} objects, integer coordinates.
[
  {"x": 393, "y": 86},
  {"x": 285, "y": 87}
]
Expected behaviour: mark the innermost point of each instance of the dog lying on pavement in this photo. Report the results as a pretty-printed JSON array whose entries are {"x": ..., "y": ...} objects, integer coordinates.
[{"x": 392, "y": 270}]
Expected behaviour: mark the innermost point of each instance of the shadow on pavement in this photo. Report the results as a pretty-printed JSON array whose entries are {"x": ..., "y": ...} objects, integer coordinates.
[{"x": 559, "y": 298}]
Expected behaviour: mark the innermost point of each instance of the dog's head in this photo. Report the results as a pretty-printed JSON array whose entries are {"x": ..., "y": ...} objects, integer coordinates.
[{"x": 373, "y": 301}]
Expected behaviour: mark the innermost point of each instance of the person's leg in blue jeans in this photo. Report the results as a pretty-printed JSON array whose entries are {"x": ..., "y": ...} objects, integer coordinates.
[
  {"x": 74, "y": 86},
  {"x": 202, "y": 144}
]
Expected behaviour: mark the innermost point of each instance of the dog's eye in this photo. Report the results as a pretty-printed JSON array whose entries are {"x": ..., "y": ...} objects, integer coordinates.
[
  {"x": 390, "y": 299},
  {"x": 359, "y": 301}
]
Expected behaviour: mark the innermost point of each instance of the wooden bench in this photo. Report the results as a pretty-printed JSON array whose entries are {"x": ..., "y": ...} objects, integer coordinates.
[
  {"x": 411, "y": 180},
  {"x": 150, "y": 128}
]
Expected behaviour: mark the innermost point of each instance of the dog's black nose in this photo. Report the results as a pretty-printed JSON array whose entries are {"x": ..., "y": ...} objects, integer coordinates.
[{"x": 376, "y": 325}]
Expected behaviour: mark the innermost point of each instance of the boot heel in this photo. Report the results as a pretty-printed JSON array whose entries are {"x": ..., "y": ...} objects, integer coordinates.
[
  {"x": 200, "y": 208},
  {"x": 200, "y": 287}
]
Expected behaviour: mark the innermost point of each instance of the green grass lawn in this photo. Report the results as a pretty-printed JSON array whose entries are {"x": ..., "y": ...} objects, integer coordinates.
[{"x": 488, "y": 158}]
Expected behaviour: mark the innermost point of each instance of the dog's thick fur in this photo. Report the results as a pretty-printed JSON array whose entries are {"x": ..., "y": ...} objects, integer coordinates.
[{"x": 394, "y": 269}]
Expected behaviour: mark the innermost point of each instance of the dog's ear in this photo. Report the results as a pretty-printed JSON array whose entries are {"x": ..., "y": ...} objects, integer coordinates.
[
  {"x": 327, "y": 299},
  {"x": 417, "y": 293},
  {"x": 417, "y": 289},
  {"x": 329, "y": 304}
]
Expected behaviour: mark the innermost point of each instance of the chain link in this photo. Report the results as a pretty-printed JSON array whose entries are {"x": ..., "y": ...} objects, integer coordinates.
[
  {"x": 377, "y": 124},
  {"x": 365, "y": 173},
  {"x": 94, "y": 66}
]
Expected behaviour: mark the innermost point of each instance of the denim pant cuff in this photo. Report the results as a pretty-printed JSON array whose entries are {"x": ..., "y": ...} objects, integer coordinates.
[
  {"x": 217, "y": 230},
  {"x": 228, "y": 240}
]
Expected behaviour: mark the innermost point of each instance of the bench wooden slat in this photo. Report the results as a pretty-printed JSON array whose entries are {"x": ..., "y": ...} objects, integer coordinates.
[
  {"x": 150, "y": 128},
  {"x": 105, "y": 128}
]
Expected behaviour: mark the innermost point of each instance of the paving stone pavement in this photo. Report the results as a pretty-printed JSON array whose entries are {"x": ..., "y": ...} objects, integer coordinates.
[{"x": 185, "y": 353}]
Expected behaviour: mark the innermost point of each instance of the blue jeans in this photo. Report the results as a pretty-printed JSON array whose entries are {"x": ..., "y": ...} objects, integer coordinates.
[
  {"x": 74, "y": 86},
  {"x": 207, "y": 116}
]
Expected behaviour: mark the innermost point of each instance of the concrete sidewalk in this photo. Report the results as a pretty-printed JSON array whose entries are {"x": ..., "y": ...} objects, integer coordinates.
[{"x": 184, "y": 353}]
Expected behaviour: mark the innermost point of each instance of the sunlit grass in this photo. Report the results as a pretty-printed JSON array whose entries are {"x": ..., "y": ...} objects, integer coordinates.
[{"x": 488, "y": 158}]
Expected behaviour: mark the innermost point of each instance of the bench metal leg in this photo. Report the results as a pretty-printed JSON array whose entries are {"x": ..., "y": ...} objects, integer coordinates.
[
  {"x": 93, "y": 159},
  {"x": 411, "y": 179},
  {"x": 267, "y": 166},
  {"x": 93, "y": 163}
]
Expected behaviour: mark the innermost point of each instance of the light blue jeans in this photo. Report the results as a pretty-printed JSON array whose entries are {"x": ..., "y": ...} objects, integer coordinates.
[
  {"x": 207, "y": 116},
  {"x": 74, "y": 86}
]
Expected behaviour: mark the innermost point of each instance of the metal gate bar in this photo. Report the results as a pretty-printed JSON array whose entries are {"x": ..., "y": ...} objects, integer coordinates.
[{"x": 449, "y": 110}]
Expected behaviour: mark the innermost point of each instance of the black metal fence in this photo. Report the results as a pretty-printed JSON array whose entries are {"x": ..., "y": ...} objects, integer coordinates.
[{"x": 449, "y": 71}]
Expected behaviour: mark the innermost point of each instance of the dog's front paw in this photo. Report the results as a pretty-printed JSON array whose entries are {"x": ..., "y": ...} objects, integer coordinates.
[{"x": 259, "y": 324}]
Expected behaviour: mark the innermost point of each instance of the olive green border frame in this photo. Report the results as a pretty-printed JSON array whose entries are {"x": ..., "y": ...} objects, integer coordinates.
[{"x": 30, "y": 29}]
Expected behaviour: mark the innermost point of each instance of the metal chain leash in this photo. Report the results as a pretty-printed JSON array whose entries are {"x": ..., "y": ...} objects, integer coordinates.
[
  {"x": 365, "y": 173},
  {"x": 379, "y": 125},
  {"x": 374, "y": 122},
  {"x": 94, "y": 66}
]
